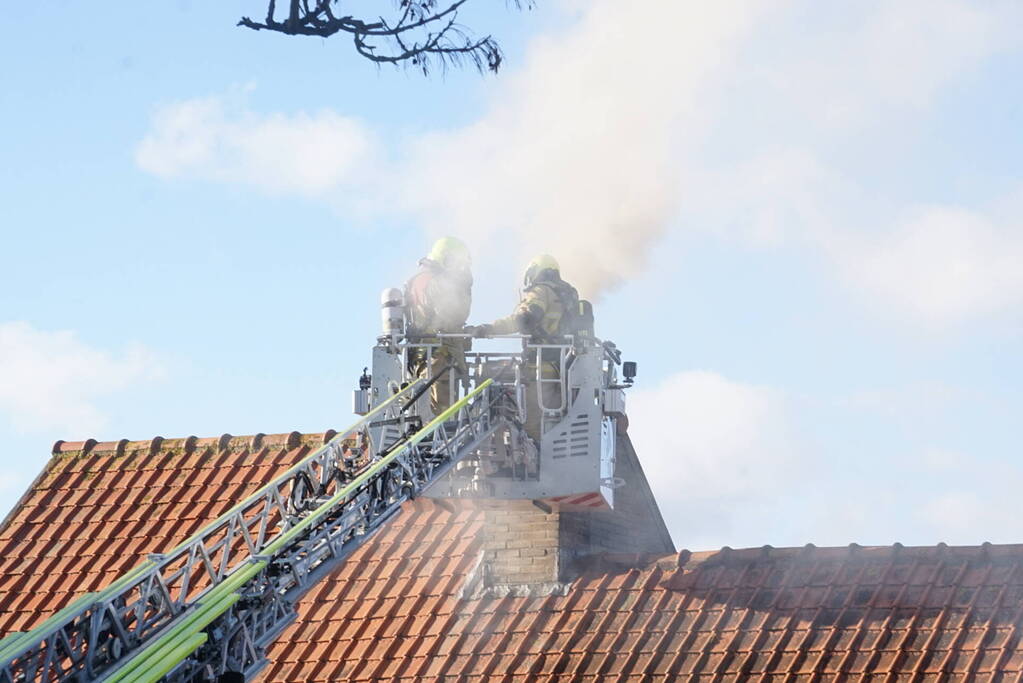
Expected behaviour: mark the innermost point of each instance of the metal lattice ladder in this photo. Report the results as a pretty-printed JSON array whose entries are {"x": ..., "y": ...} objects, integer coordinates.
[{"x": 212, "y": 605}]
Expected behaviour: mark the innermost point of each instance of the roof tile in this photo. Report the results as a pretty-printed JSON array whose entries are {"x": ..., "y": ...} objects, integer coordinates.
[
  {"x": 393, "y": 612},
  {"x": 796, "y": 614},
  {"x": 99, "y": 509}
]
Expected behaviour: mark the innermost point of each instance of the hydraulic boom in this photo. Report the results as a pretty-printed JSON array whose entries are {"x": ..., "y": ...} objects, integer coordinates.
[{"x": 208, "y": 609}]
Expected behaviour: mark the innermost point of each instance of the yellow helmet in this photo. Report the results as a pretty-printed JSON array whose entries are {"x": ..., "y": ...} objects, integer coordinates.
[
  {"x": 538, "y": 265},
  {"x": 451, "y": 254}
]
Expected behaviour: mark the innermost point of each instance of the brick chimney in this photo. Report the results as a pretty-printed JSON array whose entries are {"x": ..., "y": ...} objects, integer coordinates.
[{"x": 530, "y": 548}]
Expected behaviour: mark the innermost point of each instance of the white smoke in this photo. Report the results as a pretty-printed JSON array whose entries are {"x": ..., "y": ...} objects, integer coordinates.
[
  {"x": 633, "y": 117},
  {"x": 580, "y": 152}
]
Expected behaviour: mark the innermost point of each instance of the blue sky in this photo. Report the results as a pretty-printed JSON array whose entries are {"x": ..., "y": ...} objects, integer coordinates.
[{"x": 802, "y": 222}]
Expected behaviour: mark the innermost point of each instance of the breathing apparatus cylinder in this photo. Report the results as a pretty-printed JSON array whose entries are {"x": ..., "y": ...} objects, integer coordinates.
[{"x": 392, "y": 312}]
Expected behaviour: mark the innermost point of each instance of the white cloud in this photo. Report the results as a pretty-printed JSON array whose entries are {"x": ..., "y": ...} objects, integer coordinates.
[
  {"x": 975, "y": 500},
  {"x": 843, "y": 67},
  {"x": 868, "y": 72},
  {"x": 716, "y": 452},
  {"x": 579, "y": 152},
  {"x": 52, "y": 381},
  {"x": 932, "y": 265},
  {"x": 630, "y": 112},
  {"x": 941, "y": 264},
  {"x": 739, "y": 464},
  {"x": 582, "y": 152},
  {"x": 216, "y": 138}
]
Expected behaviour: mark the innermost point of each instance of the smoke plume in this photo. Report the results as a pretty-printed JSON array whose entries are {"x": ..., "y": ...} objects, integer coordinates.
[
  {"x": 632, "y": 119},
  {"x": 579, "y": 152}
]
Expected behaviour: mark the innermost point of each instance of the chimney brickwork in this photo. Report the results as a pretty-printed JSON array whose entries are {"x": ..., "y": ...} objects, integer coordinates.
[
  {"x": 529, "y": 544},
  {"x": 521, "y": 543}
]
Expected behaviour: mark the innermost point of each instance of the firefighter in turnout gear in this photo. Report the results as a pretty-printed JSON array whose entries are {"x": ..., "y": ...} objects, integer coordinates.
[
  {"x": 438, "y": 298},
  {"x": 546, "y": 312}
]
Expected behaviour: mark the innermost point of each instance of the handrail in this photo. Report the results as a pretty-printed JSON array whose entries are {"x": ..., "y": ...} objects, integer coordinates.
[
  {"x": 373, "y": 469},
  {"x": 340, "y": 436}
]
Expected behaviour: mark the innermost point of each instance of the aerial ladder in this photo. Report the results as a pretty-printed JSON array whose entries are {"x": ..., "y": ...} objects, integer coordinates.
[{"x": 208, "y": 609}]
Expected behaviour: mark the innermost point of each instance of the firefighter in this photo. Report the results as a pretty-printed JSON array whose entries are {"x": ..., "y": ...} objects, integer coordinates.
[
  {"x": 546, "y": 312},
  {"x": 438, "y": 298}
]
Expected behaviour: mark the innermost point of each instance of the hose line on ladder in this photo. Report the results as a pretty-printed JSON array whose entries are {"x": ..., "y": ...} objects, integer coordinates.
[{"x": 423, "y": 389}]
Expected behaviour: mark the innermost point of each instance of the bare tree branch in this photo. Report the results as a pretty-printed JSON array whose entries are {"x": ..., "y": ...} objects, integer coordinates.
[{"x": 423, "y": 32}]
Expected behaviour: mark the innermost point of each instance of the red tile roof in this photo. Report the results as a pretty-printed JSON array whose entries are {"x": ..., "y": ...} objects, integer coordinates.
[
  {"x": 394, "y": 612},
  {"x": 98, "y": 509}
]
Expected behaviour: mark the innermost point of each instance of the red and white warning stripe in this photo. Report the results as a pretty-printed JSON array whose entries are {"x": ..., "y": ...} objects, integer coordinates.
[{"x": 593, "y": 499}]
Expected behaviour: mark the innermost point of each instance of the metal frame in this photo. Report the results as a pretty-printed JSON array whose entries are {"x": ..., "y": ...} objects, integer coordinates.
[
  {"x": 213, "y": 604},
  {"x": 336, "y": 528},
  {"x": 551, "y": 414},
  {"x": 235, "y": 581}
]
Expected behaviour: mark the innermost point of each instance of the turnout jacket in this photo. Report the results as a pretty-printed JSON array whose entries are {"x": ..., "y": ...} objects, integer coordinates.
[
  {"x": 545, "y": 311},
  {"x": 438, "y": 300}
]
